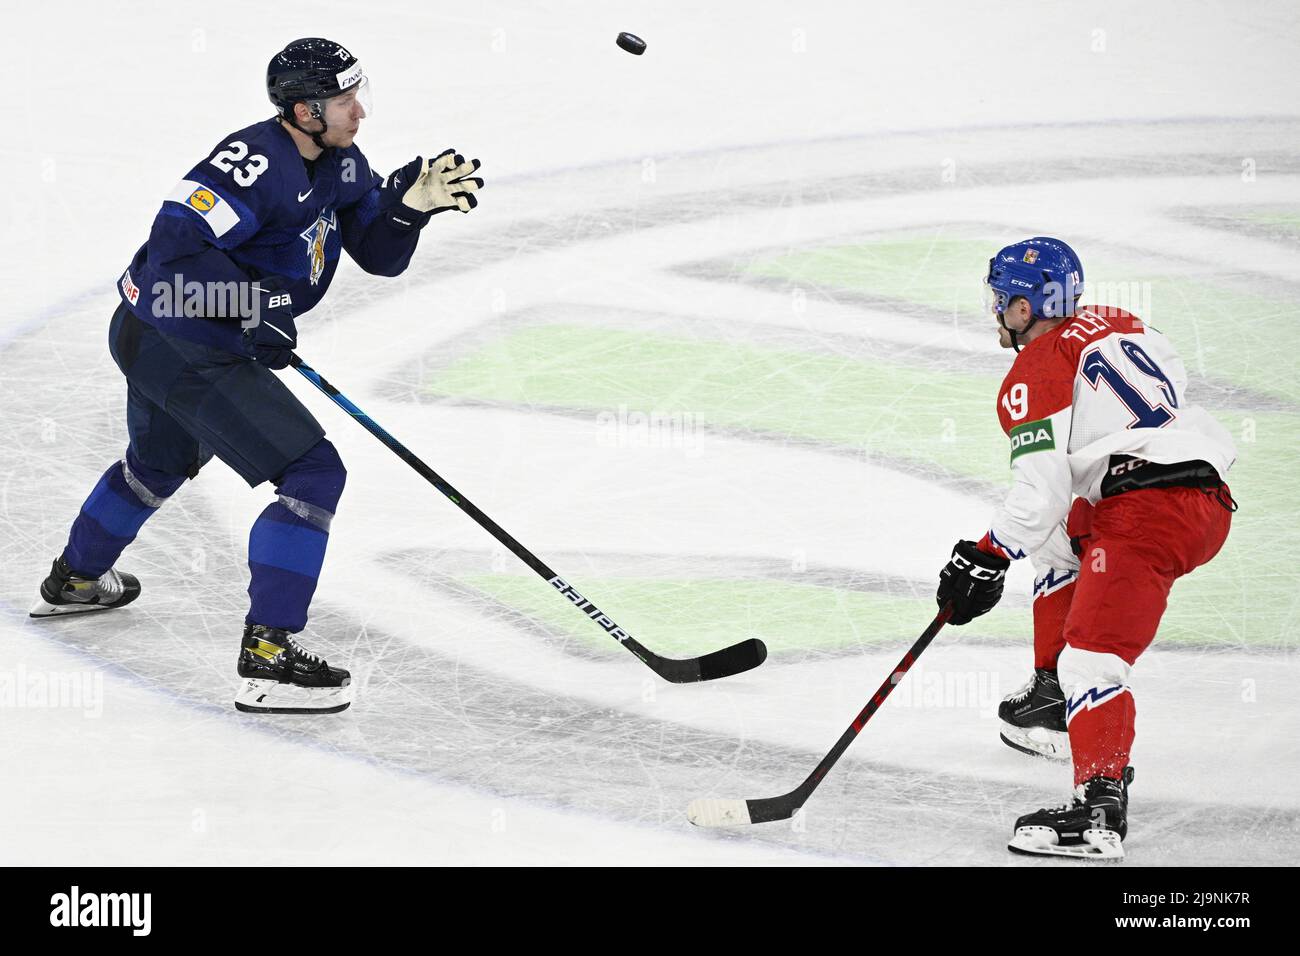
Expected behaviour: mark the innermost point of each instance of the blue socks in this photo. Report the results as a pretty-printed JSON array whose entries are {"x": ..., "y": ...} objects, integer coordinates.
[
  {"x": 286, "y": 547},
  {"x": 121, "y": 502}
]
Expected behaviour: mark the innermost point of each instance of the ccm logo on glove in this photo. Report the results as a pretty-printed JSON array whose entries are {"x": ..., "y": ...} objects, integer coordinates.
[{"x": 971, "y": 582}]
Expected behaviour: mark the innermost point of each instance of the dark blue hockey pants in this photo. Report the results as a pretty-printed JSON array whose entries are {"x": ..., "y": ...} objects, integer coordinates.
[{"x": 185, "y": 403}]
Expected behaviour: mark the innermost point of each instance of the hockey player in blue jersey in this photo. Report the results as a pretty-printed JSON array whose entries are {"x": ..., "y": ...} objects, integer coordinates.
[{"x": 246, "y": 242}]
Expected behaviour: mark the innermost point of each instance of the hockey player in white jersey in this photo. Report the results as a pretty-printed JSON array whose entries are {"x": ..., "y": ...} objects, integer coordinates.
[{"x": 1107, "y": 453}]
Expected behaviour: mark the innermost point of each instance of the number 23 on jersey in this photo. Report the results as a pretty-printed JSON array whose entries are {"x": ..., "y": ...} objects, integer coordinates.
[{"x": 237, "y": 152}]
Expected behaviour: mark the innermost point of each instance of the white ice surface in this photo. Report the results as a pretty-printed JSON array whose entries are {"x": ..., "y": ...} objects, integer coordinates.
[{"x": 434, "y": 764}]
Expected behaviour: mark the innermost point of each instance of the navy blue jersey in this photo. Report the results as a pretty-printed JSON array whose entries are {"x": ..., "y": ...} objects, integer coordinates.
[{"x": 254, "y": 209}]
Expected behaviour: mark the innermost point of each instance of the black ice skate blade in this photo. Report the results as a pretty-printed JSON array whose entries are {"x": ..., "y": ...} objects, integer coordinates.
[
  {"x": 1025, "y": 750},
  {"x": 249, "y": 709}
]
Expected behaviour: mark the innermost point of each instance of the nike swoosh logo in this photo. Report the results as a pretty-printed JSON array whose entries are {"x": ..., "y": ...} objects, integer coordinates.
[{"x": 306, "y": 194}]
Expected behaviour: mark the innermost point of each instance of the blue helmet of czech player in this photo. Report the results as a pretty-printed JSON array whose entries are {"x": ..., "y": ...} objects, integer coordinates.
[
  {"x": 1043, "y": 271},
  {"x": 310, "y": 71}
]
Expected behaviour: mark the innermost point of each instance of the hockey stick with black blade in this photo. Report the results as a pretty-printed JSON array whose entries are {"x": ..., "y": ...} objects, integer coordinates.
[
  {"x": 735, "y": 659},
  {"x": 735, "y": 813}
]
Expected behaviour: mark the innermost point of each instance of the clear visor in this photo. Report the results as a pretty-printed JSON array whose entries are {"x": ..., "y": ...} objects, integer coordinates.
[
  {"x": 995, "y": 301},
  {"x": 347, "y": 109}
]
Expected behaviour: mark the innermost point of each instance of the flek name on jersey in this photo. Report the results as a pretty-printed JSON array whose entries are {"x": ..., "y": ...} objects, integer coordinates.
[{"x": 315, "y": 236}]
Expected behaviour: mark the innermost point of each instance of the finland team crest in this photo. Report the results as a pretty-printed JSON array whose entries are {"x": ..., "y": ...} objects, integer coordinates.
[{"x": 315, "y": 236}]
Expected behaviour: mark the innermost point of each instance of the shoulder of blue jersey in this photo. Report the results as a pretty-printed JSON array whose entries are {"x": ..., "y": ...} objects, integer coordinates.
[
  {"x": 251, "y": 171},
  {"x": 239, "y": 180}
]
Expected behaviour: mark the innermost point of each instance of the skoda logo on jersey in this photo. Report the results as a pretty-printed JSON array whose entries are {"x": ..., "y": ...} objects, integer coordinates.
[
  {"x": 1032, "y": 436},
  {"x": 315, "y": 236}
]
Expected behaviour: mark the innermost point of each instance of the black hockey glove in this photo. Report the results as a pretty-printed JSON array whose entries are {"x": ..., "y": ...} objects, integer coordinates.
[
  {"x": 424, "y": 187},
  {"x": 972, "y": 581},
  {"x": 273, "y": 336}
]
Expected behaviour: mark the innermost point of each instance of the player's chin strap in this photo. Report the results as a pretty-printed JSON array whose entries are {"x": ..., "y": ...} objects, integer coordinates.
[
  {"x": 315, "y": 137},
  {"x": 1015, "y": 336}
]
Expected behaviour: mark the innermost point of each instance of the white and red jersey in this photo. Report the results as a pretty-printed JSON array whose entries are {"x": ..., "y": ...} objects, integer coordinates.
[{"x": 1100, "y": 384}]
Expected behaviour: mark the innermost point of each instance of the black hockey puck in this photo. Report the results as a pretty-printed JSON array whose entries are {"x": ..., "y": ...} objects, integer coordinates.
[{"x": 631, "y": 42}]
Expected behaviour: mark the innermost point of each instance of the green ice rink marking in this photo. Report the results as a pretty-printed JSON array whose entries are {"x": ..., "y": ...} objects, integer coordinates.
[
  {"x": 1224, "y": 334},
  {"x": 686, "y": 618},
  {"x": 1276, "y": 225},
  {"x": 1246, "y": 597},
  {"x": 1287, "y": 219},
  {"x": 892, "y": 409},
  {"x": 942, "y": 274}
]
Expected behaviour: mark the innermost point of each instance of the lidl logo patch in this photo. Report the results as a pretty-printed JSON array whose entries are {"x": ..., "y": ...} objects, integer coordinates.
[
  {"x": 1032, "y": 436},
  {"x": 203, "y": 200}
]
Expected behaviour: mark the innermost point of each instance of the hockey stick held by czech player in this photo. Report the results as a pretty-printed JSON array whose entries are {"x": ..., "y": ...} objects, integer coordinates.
[
  {"x": 735, "y": 659},
  {"x": 734, "y": 813}
]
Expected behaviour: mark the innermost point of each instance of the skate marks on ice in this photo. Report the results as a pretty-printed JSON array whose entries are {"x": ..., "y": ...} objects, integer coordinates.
[
  {"x": 410, "y": 383},
  {"x": 926, "y": 471},
  {"x": 426, "y": 714},
  {"x": 434, "y": 716},
  {"x": 447, "y": 570},
  {"x": 1124, "y": 150},
  {"x": 1280, "y": 226},
  {"x": 1218, "y": 393}
]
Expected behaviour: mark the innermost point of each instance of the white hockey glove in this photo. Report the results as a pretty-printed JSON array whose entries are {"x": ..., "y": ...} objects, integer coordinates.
[{"x": 429, "y": 186}]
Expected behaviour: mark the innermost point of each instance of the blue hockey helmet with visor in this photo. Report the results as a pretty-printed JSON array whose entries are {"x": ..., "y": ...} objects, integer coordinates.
[
  {"x": 313, "y": 71},
  {"x": 1045, "y": 272}
]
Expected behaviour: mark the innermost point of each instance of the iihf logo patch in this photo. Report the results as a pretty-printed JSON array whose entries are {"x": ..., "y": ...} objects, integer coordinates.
[{"x": 315, "y": 236}]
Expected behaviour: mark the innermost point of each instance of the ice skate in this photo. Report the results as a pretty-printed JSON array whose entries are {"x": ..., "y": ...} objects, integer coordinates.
[
  {"x": 1033, "y": 718},
  {"x": 279, "y": 676},
  {"x": 1092, "y": 826},
  {"x": 66, "y": 592}
]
